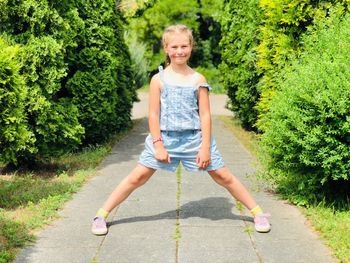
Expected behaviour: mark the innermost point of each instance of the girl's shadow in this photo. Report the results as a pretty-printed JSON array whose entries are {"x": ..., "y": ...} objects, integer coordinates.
[{"x": 213, "y": 208}]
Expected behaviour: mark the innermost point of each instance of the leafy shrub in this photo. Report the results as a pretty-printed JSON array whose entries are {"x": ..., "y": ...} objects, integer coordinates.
[
  {"x": 101, "y": 82},
  {"x": 15, "y": 135},
  {"x": 58, "y": 40},
  {"x": 307, "y": 131},
  {"x": 283, "y": 25},
  {"x": 95, "y": 96},
  {"x": 239, "y": 26},
  {"x": 53, "y": 120}
]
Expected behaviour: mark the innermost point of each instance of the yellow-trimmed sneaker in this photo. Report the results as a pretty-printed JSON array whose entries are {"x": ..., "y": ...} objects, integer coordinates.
[
  {"x": 261, "y": 223},
  {"x": 99, "y": 226}
]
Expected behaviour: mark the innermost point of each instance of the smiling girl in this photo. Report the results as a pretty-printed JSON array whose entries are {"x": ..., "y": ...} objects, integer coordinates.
[{"x": 180, "y": 131}]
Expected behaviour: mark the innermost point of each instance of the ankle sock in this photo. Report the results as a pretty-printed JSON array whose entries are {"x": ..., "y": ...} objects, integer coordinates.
[
  {"x": 256, "y": 211},
  {"x": 102, "y": 213}
]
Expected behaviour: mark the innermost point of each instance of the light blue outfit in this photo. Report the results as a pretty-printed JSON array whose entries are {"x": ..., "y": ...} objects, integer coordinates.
[{"x": 180, "y": 130}]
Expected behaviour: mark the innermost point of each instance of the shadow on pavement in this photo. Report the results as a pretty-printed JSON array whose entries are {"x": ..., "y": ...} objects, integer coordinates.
[{"x": 213, "y": 208}]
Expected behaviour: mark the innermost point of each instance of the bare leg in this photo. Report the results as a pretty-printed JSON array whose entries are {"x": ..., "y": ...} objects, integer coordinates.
[
  {"x": 225, "y": 178},
  {"x": 135, "y": 179}
]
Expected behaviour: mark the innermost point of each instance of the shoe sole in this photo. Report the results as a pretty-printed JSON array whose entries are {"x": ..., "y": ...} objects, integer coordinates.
[
  {"x": 99, "y": 233},
  {"x": 262, "y": 230}
]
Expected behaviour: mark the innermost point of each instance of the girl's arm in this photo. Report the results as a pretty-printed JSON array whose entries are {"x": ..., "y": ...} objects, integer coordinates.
[
  {"x": 153, "y": 119},
  {"x": 203, "y": 158}
]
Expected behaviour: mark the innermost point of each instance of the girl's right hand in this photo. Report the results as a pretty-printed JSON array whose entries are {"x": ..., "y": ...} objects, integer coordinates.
[{"x": 162, "y": 155}]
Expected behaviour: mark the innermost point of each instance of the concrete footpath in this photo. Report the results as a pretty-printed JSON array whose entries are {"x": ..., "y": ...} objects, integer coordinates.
[{"x": 165, "y": 221}]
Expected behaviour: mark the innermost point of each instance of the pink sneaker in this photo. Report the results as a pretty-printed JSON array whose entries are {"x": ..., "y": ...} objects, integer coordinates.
[
  {"x": 99, "y": 226},
  {"x": 262, "y": 224}
]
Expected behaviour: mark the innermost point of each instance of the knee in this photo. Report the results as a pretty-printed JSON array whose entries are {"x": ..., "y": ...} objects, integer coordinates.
[
  {"x": 138, "y": 180},
  {"x": 223, "y": 179}
]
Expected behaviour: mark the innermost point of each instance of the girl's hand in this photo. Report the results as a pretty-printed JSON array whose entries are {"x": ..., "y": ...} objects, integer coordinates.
[
  {"x": 203, "y": 158},
  {"x": 162, "y": 155}
]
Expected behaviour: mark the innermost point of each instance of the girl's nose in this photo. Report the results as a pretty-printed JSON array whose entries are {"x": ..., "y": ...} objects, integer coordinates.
[{"x": 179, "y": 50}]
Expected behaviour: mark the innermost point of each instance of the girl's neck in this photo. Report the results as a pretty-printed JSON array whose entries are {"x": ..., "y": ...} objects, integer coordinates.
[
  {"x": 182, "y": 75},
  {"x": 183, "y": 69}
]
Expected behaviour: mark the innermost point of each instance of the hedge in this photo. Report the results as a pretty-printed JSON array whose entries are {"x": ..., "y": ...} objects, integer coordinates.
[
  {"x": 259, "y": 39},
  {"x": 61, "y": 47},
  {"x": 239, "y": 27},
  {"x": 15, "y": 135},
  {"x": 283, "y": 25},
  {"x": 307, "y": 130}
]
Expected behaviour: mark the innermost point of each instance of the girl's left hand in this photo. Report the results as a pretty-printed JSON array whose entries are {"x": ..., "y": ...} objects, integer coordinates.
[{"x": 203, "y": 158}]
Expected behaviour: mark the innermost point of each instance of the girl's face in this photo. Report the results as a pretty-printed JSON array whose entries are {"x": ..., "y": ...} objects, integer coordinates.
[{"x": 178, "y": 48}]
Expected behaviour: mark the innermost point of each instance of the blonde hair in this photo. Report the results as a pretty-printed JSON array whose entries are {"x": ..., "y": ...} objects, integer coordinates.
[{"x": 176, "y": 29}]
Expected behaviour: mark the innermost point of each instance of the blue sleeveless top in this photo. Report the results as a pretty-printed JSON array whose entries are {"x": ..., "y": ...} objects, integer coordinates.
[{"x": 179, "y": 106}]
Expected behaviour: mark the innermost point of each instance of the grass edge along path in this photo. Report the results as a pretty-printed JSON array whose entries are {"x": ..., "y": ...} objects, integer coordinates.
[
  {"x": 332, "y": 226},
  {"x": 30, "y": 201}
]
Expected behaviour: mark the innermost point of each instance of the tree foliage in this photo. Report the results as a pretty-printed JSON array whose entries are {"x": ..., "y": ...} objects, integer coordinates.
[{"x": 201, "y": 16}]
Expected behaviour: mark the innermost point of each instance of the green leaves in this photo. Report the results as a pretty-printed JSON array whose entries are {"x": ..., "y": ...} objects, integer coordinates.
[
  {"x": 146, "y": 30},
  {"x": 15, "y": 134},
  {"x": 42, "y": 114},
  {"x": 306, "y": 130},
  {"x": 239, "y": 26}
]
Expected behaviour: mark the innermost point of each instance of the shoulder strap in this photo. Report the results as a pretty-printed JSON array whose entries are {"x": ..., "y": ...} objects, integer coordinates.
[
  {"x": 161, "y": 73},
  {"x": 204, "y": 85}
]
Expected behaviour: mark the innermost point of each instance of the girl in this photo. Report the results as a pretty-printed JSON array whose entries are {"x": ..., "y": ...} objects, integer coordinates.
[{"x": 180, "y": 130}]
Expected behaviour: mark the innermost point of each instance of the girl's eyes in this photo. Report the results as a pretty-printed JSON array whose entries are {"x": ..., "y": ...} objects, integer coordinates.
[{"x": 175, "y": 47}]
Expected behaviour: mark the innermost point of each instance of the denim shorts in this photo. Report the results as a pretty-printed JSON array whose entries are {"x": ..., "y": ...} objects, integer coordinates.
[{"x": 182, "y": 146}]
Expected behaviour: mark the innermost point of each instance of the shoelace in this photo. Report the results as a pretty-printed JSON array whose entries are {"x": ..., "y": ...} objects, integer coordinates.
[
  {"x": 262, "y": 218},
  {"x": 99, "y": 222}
]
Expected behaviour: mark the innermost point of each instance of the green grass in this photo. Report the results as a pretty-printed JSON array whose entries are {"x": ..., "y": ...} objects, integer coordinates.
[
  {"x": 31, "y": 199},
  {"x": 334, "y": 228},
  {"x": 333, "y": 225}
]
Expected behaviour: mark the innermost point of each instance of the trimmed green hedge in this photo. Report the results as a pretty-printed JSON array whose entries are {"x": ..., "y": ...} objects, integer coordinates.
[
  {"x": 259, "y": 39},
  {"x": 101, "y": 84},
  {"x": 283, "y": 25},
  {"x": 71, "y": 75},
  {"x": 306, "y": 135},
  {"x": 15, "y": 135},
  {"x": 239, "y": 26}
]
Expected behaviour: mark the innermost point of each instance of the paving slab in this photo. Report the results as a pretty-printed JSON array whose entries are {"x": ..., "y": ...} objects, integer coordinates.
[{"x": 159, "y": 222}]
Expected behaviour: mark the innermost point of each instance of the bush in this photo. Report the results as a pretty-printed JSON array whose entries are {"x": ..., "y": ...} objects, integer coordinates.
[
  {"x": 283, "y": 25},
  {"x": 58, "y": 42},
  {"x": 307, "y": 131},
  {"x": 53, "y": 120},
  {"x": 101, "y": 83},
  {"x": 239, "y": 26},
  {"x": 15, "y": 135}
]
